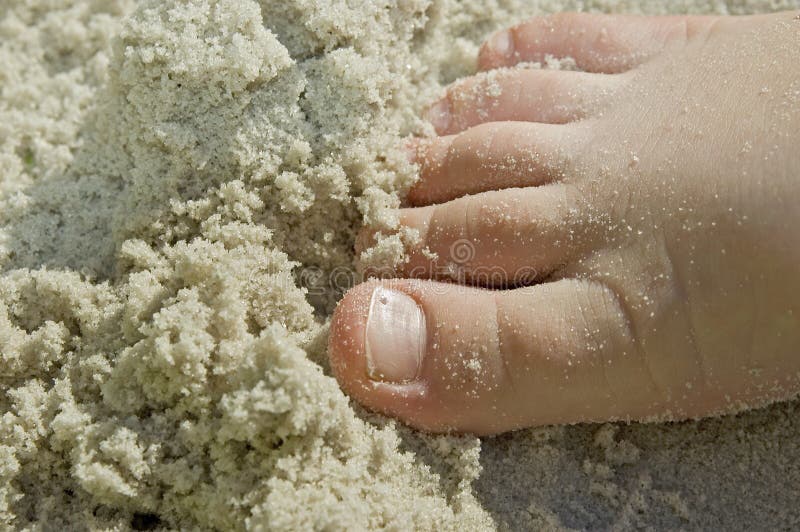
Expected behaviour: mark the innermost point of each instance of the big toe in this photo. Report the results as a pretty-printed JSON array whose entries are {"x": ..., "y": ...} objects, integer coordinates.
[{"x": 445, "y": 357}]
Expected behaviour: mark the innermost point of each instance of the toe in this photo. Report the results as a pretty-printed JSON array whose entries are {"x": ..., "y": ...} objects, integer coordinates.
[
  {"x": 500, "y": 238},
  {"x": 597, "y": 43},
  {"x": 524, "y": 94},
  {"x": 445, "y": 357},
  {"x": 494, "y": 156}
]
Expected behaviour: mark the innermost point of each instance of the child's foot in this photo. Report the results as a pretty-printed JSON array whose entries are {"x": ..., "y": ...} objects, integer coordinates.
[{"x": 653, "y": 197}]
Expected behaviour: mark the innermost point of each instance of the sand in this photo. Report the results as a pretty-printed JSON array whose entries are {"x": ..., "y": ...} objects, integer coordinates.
[{"x": 180, "y": 186}]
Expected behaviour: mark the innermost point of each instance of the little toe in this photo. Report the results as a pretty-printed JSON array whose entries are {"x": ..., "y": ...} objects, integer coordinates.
[
  {"x": 523, "y": 94},
  {"x": 597, "y": 43},
  {"x": 494, "y": 156},
  {"x": 445, "y": 357}
]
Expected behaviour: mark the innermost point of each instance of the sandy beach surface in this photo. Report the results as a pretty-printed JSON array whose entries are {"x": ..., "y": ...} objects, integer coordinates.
[{"x": 181, "y": 182}]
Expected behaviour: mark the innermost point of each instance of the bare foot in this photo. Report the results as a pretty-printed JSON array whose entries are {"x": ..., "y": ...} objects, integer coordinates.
[{"x": 649, "y": 204}]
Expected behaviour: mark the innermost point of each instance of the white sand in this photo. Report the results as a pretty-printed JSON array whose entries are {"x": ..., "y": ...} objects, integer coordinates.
[{"x": 178, "y": 181}]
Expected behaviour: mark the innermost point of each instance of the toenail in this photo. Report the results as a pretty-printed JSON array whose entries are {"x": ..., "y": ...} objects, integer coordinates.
[
  {"x": 502, "y": 44},
  {"x": 395, "y": 336},
  {"x": 439, "y": 115}
]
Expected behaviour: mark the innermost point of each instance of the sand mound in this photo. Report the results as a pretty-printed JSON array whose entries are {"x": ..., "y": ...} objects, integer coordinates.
[{"x": 180, "y": 184}]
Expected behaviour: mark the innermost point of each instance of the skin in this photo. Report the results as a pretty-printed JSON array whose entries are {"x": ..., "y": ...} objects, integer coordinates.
[{"x": 641, "y": 213}]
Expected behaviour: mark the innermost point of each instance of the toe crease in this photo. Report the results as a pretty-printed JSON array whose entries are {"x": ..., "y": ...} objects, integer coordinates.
[
  {"x": 680, "y": 289},
  {"x": 632, "y": 331},
  {"x": 501, "y": 352}
]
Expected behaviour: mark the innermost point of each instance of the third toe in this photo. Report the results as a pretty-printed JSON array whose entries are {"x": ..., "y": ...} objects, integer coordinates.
[
  {"x": 495, "y": 156},
  {"x": 523, "y": 95}
]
